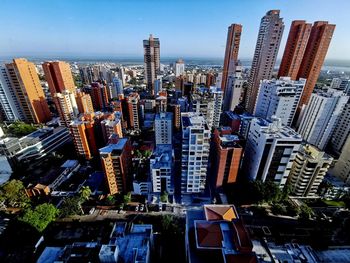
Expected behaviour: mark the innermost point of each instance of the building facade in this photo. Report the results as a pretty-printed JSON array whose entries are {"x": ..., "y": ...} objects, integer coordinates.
[
  {"x": 151, "y": 49},
  {"x": 163, "y": 126}
]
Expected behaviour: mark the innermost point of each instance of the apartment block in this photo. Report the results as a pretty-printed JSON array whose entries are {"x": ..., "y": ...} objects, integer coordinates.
[{"x": 163, "y": 126}]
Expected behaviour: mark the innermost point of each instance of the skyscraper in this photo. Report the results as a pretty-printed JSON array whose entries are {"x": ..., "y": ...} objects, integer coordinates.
[
  {"x": 133, "y": 101},
  {"x": 279, "y": 98},
  {"x": 117, "y": 88},
  {"x": 116, "y": 161},
  {"x": 227, "y": 155},
  {"x": 29, "y": 93},
  {"x": 83, "y": 138},
  {"x": 66, "y": 106},
  {"x": 84, "y": 102},
  {"x": 231, "y": 53},
  {"x": 163, "y": 125},
  {"x": 234, "y": 89},
  {"x": 342, "y": 132},
  {"x": 295, "y": 48},
  {"x": 59, "y": 76},
  {"x": 208, "y": 102},
  {"x": 308, "y": 170},
  {"x": 270, "y": 151},
  {"x": 179, "y": 68},
  {"x": 266, "y": 49},
  {"x": 99, "y": 96},
  {"x": 151, "y": 49},
  {"x": 315, "y": 53},
  {"x": 321, "y": 117},
  {"x": 195, "y": 152},
  {"x": 10, "y": 107}
]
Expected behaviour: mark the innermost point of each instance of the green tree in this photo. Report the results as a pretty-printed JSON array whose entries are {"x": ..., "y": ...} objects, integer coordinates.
[
  {"x": 85, "y": 193},
  {"x": 111, "y": 200},
  {"x": 147, "y": 154},
  {"x": 70, "y": 206},
  {"x": 21, "y": 129},
  {"x": 13, "y": 194},
  {"x": 41, "y": 216},
  {"x": 164, "y": 197},
  {"x": 127, "y": 198},
  {"x": 278, "y": 209},
  {"x": 305, "y": 212}
]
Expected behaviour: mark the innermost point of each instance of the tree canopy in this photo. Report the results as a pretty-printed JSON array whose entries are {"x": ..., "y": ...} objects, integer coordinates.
[
  {"x": 13, "y": 194},
  {"x": 41, "y": 216}
]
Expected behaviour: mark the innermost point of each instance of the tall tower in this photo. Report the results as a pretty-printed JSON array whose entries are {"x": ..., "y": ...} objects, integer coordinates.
[
  {"x": 231, "y": 52},
  {"x": 295, "y": 48},
  {"x": 84, "y": 102},
  {"x": 59, "y": 76},
  {"x": 266, "y": 49},
  {"x": 30, "y": 95},
  {"x": 163, "y": 125},
  {"x": 315, "y": 53},
  {"x": 152, "y": 60}
]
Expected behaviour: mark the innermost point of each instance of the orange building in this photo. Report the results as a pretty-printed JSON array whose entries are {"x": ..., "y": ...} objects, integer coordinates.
[
  {"x": 133, "y": 101},
  {"x": 231, "y": 52},
  {"x": 84, "y": 102},
  {"x": 99, "y": 96},
  {"x": 116, "y": 161},
  {"x": 59, "y": 76},
  {"x": 295, "y": 48},
  {"x": 227, "y": 159},
  {"x": 84, "y": 138},
  {"x": 177, "y": 116},
  {"x": 29, "y": 92},
  {"x": 314, "y": 56}
]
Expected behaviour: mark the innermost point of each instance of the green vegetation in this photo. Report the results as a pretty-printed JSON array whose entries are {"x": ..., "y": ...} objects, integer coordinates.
[
  {"x": 70, "y": 206},
  {"x": 127, "y": 198},
  {"x": 85, "y": 193},
  {"x": 12, "y": 194},
  {"x": 305, "y": 212},
  {"x": 334, "y": 203},
  {"x": 143, "y": 154},
  {"x": 164, "y": 197},
  {"x": 20, "y": 129},
  {"x": 41, "y": 216}
]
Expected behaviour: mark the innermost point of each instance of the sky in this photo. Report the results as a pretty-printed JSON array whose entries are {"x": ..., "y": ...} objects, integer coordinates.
[{"x": 186, "y": 28}]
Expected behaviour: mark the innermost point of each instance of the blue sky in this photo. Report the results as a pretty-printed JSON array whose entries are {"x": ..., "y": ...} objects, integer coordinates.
[{"x": 191, "y": 28}]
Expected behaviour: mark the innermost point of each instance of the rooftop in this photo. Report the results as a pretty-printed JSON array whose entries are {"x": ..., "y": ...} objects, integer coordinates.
[{"x": 115, "y": 147}]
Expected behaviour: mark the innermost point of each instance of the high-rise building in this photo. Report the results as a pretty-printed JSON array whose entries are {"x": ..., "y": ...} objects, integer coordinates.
[
  {"x": 161, "y": 103},
  {"x": 177, "y": 116},
  {"x": 195, "y": 152},
  {"x": 279, "y": 98},
  {"x": 208, "y": 102},
  {"x": 66, "y": 106},
  {"x": 133, "y": 101},
  {"x": 116, "y": 161},
  {"x": 227, "y": 155},
  {"x": 163, "y": 125},
  {"x": 29, "y": 93},
  {"x": 161, "y": 166},
  {"x": 84, "y": 138},
  {"x": 315, "y": 53},
  {"x": 342, "y": 131},
  {"x": 117, "y": 88},
  {"x": 234, "y": 89},
  {"x": 99, "y": 96},
  {"x": 151, "y": 49},
  {"x": 10, "y": 107},
  {"x": 110, "y": 127},
  {"x": 84, "y": 102},
  {"x": 321, "y": 116},
  {"x": 266, "y": 49},
  {"x": 231, "y": 53},
  {"x": 342, "y": 166},
  {"x": 295, "y": 48},
  {"x": 308, "y": 170},
  {"x": 270, "y": 151},
  {"x": 179, "y": 67},
  {"x": 158, "y": 83},
  {"x": 59, "y": 77},
  {"x": 341, "y": 84}
]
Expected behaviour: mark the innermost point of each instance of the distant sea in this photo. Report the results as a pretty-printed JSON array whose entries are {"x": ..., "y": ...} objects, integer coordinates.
[{"x": 330, "y": 64}]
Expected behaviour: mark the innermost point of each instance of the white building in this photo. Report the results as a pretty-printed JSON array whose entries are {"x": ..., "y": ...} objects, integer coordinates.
[
  {"x": 234, "y": 89},
  {"x": 342, "y": 166},
  {"x": 117, "y": 88},
  {"x": 342, "y": 131},
  {"x": 270, "y": 151},
  {"x": 195, "y": 152},
  {"x": 208, "y": 102},
  {"x": 340, "y": 84},
  {"x": 279, "y": 98},
  {"x": 308, "y": 170},
  {"x": 66, "y": 106},
  {"x": 161, "y": 168},
  {"x": 179, "y": 68},
  {"x": 8, "y": 101},
  {"x": 163, "y": 125},
  {"x": 321, "y": 116}
]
